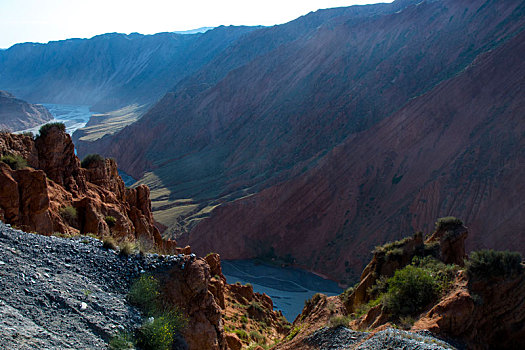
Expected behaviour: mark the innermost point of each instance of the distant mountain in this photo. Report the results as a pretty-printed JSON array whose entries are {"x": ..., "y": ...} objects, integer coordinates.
[
  {"x": 16, "y": 114},
  {"x": 194, "y": 31},
  {"x": 109, "y": 71}
]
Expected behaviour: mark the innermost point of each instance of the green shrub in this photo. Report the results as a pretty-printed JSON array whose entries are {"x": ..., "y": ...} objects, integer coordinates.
[
  {"x": 144, "y": 293},
  {"x": 313, "y": 300},
  {"x": 490, "y": 263},
  {"x": 443, "y": 274},
  {"x": 409, "y": 290},
  {"x": 448, "y": 223},
  {"x": 68, "y": 213},
  {"x": 159, "y": 334},
  {"x": 108, "y": 242},
  {"x": 391, "y": 246},
  {"x": 90, "y": 159},
  {"x": 122, "y": 341},
  {"x": 110, "y": 221},
  {"x": 15, "y": 162},
  {"x": 44, "y": 129}
]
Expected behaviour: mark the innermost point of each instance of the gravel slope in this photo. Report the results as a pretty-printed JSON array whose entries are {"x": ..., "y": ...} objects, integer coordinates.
[
  {"x": 344, "y": 338},
  {"x": 58, "y": 293}
]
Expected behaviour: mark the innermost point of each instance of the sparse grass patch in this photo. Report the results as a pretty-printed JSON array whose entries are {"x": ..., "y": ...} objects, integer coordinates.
[
  {"x": 293, "y": 332},
  {"x": 15, "y": 162},
  {"x": 109, "y": 242},
  {"x": 127, "y": 248},
  {"x": 122, "y": 341},
  {"x": 241, "y": 334},
  {"x": 110, "y": 221},
  {"x": 338, "y": 320},
  {"x": 68, "y": 213}
]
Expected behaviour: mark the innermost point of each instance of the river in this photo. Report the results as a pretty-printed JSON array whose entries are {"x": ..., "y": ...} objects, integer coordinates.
[
  {"x": 73, "y": 116},
  {"x": 289, "y": 288}
]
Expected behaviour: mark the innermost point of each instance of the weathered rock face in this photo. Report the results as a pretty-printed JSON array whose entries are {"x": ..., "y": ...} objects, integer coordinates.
[
  {"x": 484, "y": 314},
  {"x": 35, "y": 198},
  {"x": 438, "y": 156},
  {"x": 244, "y": 309},
  {"x": 200, "y": 290},
  {"x": 188, "y": 289},
  {"x": 17, "y": 114},
  {"x": 478, "y": 312}
]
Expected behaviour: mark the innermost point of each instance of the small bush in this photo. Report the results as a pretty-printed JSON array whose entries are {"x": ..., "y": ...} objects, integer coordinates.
[
  {"x": 258, "y": 337},
  {"x": 409, "y": 290},
  {"x": 159, "y": 334},
  {"x": 122, "y": 341},
  {"x": 313, "y": 300},
  {"x": 391, "y": 246},
  {"x": 448, "y": 223},
  {"x": 110, "y": 221},
  {"x": 443, "y": 274},
  {"x": 491, "y": 263},
  {"x": 68, "y": 213},
  {"x": 144, "y": 292},
  {"x": 109, "y": 243},
  {"x": 44, "y": 129},
  {"x": 15, "y": 162},
  {"x": 90, "y": 159}
]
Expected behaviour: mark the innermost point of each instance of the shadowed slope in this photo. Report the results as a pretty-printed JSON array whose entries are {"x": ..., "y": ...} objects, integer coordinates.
[{"x": 457, "y": 149}]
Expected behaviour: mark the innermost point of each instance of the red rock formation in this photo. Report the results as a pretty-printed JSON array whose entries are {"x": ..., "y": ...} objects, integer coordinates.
[
  {"x": 485, "y": 314},
  {"x": 34, "y": 198},
  {"x": 438, "y": 156},
  {"x": 188, "y": 288},
  {"x": 480, "y": 312}
]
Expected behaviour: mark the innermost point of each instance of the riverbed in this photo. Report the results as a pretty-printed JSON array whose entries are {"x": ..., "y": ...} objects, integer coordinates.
[
  {"x": 289, "y": 288},
  {"x": 73, "y": 116}
]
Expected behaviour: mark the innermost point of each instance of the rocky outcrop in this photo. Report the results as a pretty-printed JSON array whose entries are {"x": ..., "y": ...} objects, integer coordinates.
[
  {"x": 478, "y": 310},
  {"x": 55, "y": 194},
  {"x": 198, "y": 288},
  {"x": 16, "y": 114},
  {"x": 188, "y": 288},
  {"x": 485, "y": 314},
  {"x": 245, "y": 310}
]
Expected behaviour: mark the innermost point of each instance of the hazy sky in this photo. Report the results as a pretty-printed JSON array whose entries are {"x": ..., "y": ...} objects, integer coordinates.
[{"x": 45, "y": 20}]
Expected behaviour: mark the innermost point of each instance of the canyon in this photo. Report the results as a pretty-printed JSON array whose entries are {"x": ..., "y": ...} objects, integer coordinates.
[
  {"x": 306, "y": 145},
  {"x": 318, "y": 131}
]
